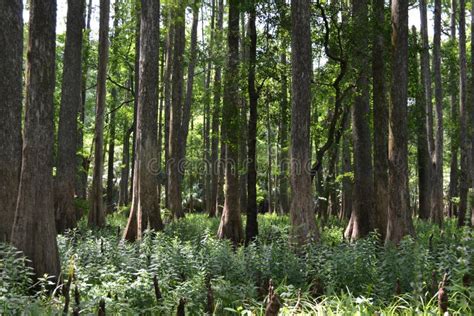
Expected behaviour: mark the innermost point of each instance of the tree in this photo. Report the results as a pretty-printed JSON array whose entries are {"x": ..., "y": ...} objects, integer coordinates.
[
  {"x": 230, "y": 226},
  {"x": 145, "y": 202},
  {"x": 302, "y": 210},
  {"x": 125, "y": 169},
  {"x": 34, "y": 230},
  {"x": 174, "y": 176},
  {"x": 363, "y": 204},
  {"x": 96, "y": 212},
  {"x": 67, "y": 131},
  {"x": 380, "y": 118},
  {"x": 251, "y": 229},
  {"x": 11, "y": 61},
  {"x": 399, "y": 218}
]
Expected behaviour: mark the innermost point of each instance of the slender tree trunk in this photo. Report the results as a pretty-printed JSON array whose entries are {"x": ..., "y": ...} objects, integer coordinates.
[
  {"x": 146, "y": 204},
  {"x": 96, "y": 212},
  {"x": 363, "y": 207},
  {"x": 11, "y": 66},
  {"x": 243, "y": 119},
  {"x": 453, "y": 75},
  {"x": 231, "y": 224},
  {"x": 380, "y": 118},
  {"x": 347, "y": 181},
  {"x": 110, "y": 157},
  {"x": 34, "y": 230},
  {"x": 174, "y": 189},
  {"x": 471, "y": 114},
  {"x": 302, "y": 218},
  {"x": 216, "y": 118},
  {"x": 463, "y": 116},
  {"x": 167, "y": 94},
  {"x": 284, "y": 157},
  {"x": 269, "y": 160},
  {"x": 125, "y": 169},
  {"x": 437, "y": 204},
  {"x": 399, "y": 216}
]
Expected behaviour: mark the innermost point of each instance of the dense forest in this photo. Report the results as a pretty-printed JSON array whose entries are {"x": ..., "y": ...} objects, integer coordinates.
[{"x": 226, "y": 157}]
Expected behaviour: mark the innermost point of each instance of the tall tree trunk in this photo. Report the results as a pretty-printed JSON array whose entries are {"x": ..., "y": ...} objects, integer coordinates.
[
  {"x": 363, "y": 207},
  {"x": 399, "y": 216},
  {"x": 34, "y": 230},
  {"x": 471, "y": 109},
  {"x": 230, "y": 226},
  {"x": 125, "y": 169},
  {"x": 302, "y": 218},
  {"x": 454, "y": 174},
  {"x": 96, "y": 212},
  {"x": 11, "y": 66},
  {"x": 347, "y": 185},
  {"x": 216, "y": 118},
  {"x": 437, "y": 205},
  {"x": 146, "y": 204},
  {"x": 243, "y": 119},
  {"x": 110, "y": 157},
  {"x": 283, "y": 175},
  {"x": 380, "y": 118},
  {"x": 269, "y": 160},
  {"x": 425, "y": 195},
  {"x": 176, "y": 112},
  {"x": 463, "y": 116},
  {"x": 251, "y": 229},
  {"x": 67, "y": 131},
  {"x": 82, "y": 161}
]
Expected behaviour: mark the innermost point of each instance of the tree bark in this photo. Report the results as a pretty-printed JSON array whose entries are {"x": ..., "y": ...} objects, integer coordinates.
[
  {"x": 110, "y": 157},
  {"x": 146, "y": 204},
  {"x": 34, "y": 230},
  {"x": 251, "y": 228},
  {"x": 11, "y": 87},
  {"x": 96, "y": 212},
  {"x": 347, "y": 186},
  {"x": 302, "y": 218},
  {"x": 399, "y": 216},
  {"x": 176, "y": 112},
  {"x": 230, "y": 226},
  {"x": 125, "y": 169},
  {"x": 471, "y": 115}
]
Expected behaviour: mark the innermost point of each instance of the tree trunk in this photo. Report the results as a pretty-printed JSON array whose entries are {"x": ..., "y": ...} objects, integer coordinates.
[
  {"x": 125, "y": 169},
  {"x": 363, "y": 207},
  {"x": 11, "y": 87},
  {"x": 347, "y": 181},
  {"x": 231, "y": 224},
  {"x": 302, "y": 218},
  {"x": 463, "y": 116},
  {"x": 437, "y": 205},
  {"x": 283, "y": 176},
  {"x": 96, "y": 212},
  {"x": 146, "y": 204},
  {"x": 251, "y": 228},
  {"x": 471, "y": 115},
  {"x": 110, "y": 157},
  {"x": 34, "y": 230},
  {"x": 380, "y": 119},
  {"x": 215, "y": 118},
  {"x": 399, "y": 216}
]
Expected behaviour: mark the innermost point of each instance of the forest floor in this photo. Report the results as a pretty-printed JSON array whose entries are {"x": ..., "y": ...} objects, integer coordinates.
[{"x": 191, "y": 268}]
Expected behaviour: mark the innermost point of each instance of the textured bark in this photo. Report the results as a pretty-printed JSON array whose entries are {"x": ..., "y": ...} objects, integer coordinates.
[
  {"x": 347, "y": 185},
  {"x": 453, "y": 75},
  {"x": 67, "y": 131},
  {"x": 302, "y": 218},
  {"x": 230, "y": 226},
  {"x": 399, "y": 216},
  {"x": 174, "y": 172},
  {"x": 380, "y": 119},
  {"x": 269, "y": 160},
  {"x": 216, "y": 118},
  {"x": 463, "y": 116},
  {"x": 437, "y": 204},
  {"x": 251, "y": 228},
  {"x": 125, "y": 169},
  {"x": 110, "y": 158},
  {"x": 96, "y": 212},
  {"x": 283, "y": 175},
  {"x": 34, "y": 230},
  {"x": 363, "y": 205},
  {"x": 146, "y": 204},
  {"x": 11, "y": 62},
  {"x": 167, "y": 94},
  {"x": 471, "y": 114}
]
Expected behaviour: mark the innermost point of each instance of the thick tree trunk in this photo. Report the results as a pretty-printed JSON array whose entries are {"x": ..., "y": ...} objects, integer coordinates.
[
  {"x": 96, "y": 212},
  {"x": 437, "y": 204},
  {"x": 146, "y": 204},
  {"x": 34, "y": 230},
  {"x": 231, "y": 224},
  {"x": 11, "y": 70},
  {"x": 174, "y": 172},
  {"x": 463, "y": 116},
  {"x": 125, "y": 169},
  {"x": 302, "y": 218},
  {"x": 215, "y": 118},
  {"x": 251, "y": 228},
  {"x": 471, "y": 114},
  {"x": 363, "y": 207},
  {"x": 67, "y": 131},
  {"x": 380, "y": 119}
]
